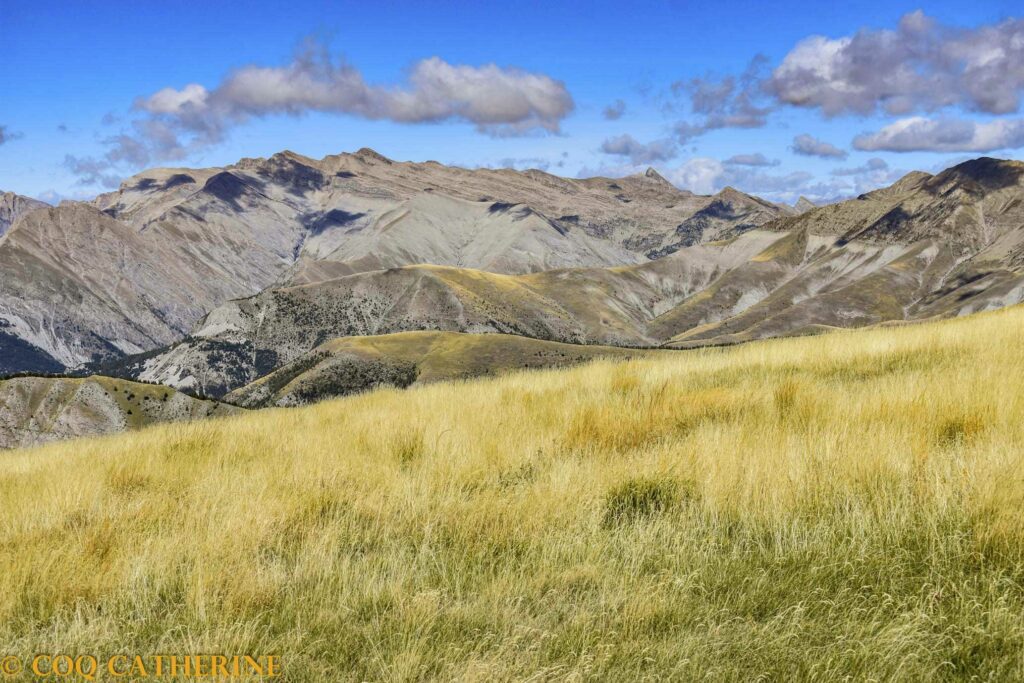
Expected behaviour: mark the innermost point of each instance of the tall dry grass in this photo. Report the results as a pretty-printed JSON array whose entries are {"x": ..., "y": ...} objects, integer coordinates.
[{"x": 840, "y": 507}]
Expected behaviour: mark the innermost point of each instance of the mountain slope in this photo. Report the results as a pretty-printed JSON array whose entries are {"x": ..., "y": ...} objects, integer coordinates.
[
  {"x": 247, "y": 338},
  {"x": 267, "y": 259},
  {"x": 958, "y": 249},
  {"x": 37, "y": 410},
  {"x": 14, "y": 205},
  {"x": 81, "y": 286},
  {"x": 353, "y": 364},
  {"x": 972, "y": 206}
]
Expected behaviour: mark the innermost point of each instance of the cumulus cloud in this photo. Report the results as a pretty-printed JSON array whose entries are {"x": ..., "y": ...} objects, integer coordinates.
[
  {"x": 525, "y": 163},
  {"x": 637, "y": 152},
  {"x": 6, "y": 135},
  {"x": 53, "y": 198},
  {"x": 918, "y": 133},
  {"x": 756, "y": 159},
  {"x": 729, "y": 102},
  {"x": 810, "y": 146},
  {"x": 701, "y": 175},
  {"x": 615, "y": 110},
  {"x": 919, "y": 66},
  {"x": 498, "y": 101},
  {"x": 922, "y": 65}
]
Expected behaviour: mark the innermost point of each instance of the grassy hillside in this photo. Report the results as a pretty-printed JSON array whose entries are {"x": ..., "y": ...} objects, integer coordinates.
[
  {"x": 350, "y": 365},
  {"x": 848, "y": 505}
]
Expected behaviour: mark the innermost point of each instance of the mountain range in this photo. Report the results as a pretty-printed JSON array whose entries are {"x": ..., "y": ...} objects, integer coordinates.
[
  {"x": 136, "y": 269},
  {"x": 210, "y": 280}
]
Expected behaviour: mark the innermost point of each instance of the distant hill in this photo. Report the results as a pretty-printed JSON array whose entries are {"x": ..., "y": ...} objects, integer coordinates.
[
  {"x": 353, "y": 364},
  {"x": 37, "y": 410}
]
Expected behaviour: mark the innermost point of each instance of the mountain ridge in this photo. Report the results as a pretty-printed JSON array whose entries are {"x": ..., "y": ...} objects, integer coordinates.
[
  {"x": 368, "y": 245},
  {"x": 190, "y": 239}
]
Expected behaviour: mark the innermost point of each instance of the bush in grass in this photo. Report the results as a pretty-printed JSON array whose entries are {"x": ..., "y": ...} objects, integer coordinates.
[{"x": 639, "y": 498}]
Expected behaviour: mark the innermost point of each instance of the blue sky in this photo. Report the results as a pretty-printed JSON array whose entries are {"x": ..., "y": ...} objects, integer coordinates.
[{"x": 78, "y": 110}]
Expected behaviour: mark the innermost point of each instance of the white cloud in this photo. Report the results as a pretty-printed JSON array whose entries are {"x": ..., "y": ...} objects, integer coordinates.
[
  {"x": 176, "y": 102},
  {"x": 870, "y": 166},
  {"x": 728, "y": 102},
  {"x": 637, "y": 152},
  {"x": 871, "y": 175},
  {"x": 810, "y": 146},
  {"x": 922, "y": 65},
  {"x": 92, "y": 171},
  {"x": 498, "y": 101},
  {"x": 701, "y": 175},
  {"x": 919, "y": 66},
  {"x": 756, "y": 159},
  {"x": 944, "y": 135},
  {"x": 174, "y": 123},
  {"x": 704, "y": 175}
]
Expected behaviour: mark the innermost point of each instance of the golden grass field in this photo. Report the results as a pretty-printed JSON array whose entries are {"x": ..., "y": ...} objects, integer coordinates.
[{"x": 841, "y": 507}]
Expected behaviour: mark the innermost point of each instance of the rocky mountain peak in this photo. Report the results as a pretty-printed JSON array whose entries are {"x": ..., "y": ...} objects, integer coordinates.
[
  {"x": 804, "y": 204},
  {"x": 730, "y": 195},
  {"x": 984, "y": 173},
  {"x": 292, "y": 157},
  {"x": 369, "y": 155},
  {"x": 14, "y": 205},
  {"x": 651, "y": 174}
]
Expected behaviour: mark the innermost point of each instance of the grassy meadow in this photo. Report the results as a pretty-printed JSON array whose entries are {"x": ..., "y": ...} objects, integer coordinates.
[{"x": 841, "y": 507}]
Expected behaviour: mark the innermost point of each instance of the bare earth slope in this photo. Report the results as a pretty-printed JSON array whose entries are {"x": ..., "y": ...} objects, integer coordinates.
[
  {"x": 245, "y": 339},
  {"x": 37, "y": 410}
]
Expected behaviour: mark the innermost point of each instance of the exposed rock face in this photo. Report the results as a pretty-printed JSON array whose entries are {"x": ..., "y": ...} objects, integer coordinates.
[
  {"x": 79, "y": 285},
  {"x": 803, "y": 205},
  {"x": 38, "y": 410},
  {"x": 729, "y": 213},
  {"x": 137, "y": 268},
  {"x": 14, "y": 205}
]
